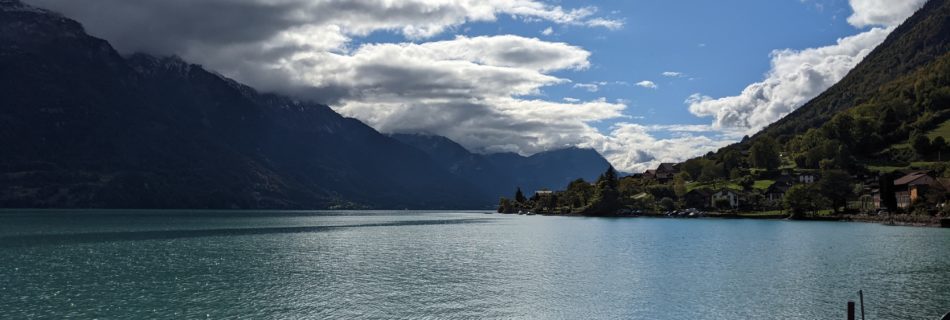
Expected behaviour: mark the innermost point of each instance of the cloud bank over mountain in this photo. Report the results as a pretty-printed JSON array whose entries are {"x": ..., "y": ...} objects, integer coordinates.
[
  {"x": 797, "y": 76},
  {"x": 405, "y": 67}
]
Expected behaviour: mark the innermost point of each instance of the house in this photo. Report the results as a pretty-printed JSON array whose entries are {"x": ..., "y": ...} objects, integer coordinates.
[
  {"x": 776, "y": 192},
  {"x": 909, "y": 188},
  {"x": 665, "y": 172},
  {"x": 807, "y": 178},
  {"x": 650, "y": 174},
  {"x": 876, "y": 197},
  {"x": 726, "y": 194},
  {"x": 698, "y": 198}
]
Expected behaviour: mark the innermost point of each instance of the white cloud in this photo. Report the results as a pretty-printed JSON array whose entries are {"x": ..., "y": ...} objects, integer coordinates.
[
  {"x": 606, "y": 23},
  {"x": 673, "y": 74},
  {"x": 647, "y": 84},
  {"x": 797, "y": 76},
  {"x": 887, "y": 13},
  {"x": 634, "y": 148},
  {"x": 547, "y": 31},
  {"x": 591, "y": 87},
  {"x": 480, "y": 91}
]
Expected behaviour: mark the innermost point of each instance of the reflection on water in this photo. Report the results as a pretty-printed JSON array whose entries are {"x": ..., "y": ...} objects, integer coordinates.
[{"x": 294, "y": 264}]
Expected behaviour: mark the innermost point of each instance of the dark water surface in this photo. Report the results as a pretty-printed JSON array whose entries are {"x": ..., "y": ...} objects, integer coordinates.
[{"x": 459, "y": 265}]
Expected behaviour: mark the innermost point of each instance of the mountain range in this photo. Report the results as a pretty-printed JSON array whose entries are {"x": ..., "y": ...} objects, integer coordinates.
[
  {"x": 496, "y": 174},
  {"x": 83, "y": 126}
]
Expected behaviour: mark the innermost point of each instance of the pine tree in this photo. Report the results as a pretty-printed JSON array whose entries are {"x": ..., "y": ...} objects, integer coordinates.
[
  {"x": 606, "y": 197},
  {"x": 519, "y": 196}
]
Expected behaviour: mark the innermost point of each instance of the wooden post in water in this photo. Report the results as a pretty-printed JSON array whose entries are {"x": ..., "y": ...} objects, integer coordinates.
[
  {"x": 861, "y": 295},
  {"x": 850, "y": 310}
]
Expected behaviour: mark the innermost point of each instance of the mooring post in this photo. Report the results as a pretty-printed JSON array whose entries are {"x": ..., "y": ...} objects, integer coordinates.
[
  {"x": 861, "y": 295},
  {"x": 850, "y": 310}
]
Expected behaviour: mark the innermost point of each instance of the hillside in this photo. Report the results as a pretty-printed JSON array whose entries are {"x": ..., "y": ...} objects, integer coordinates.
[
  {"x": 900, "y": 91},
  {"x": 914, "y": 45},
  {"x": 82, "y": 126}
]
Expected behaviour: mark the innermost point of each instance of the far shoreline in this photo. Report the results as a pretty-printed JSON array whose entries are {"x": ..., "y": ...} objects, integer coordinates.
[{"x": 888, "y": 220}]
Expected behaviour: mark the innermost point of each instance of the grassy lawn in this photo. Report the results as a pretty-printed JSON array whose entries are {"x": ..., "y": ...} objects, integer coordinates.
[
  {"x": 885, "y": 168},
  {"x": 759, "y": 184},
  {"x": 915, "y": 164},
  {"x": 941, "y": 131},
  {"x": 712, "y": 185},
  {"x": 762, "y": 184}
]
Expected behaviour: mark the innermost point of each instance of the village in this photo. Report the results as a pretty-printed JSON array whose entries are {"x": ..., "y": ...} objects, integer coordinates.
[{"x": 913, "y": 196}]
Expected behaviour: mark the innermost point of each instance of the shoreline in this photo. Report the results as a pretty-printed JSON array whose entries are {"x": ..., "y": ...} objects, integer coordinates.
[{"x": 888, "y": 220}]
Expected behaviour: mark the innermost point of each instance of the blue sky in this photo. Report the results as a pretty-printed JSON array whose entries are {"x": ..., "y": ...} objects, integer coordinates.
[
  {"x": 718, "y": 48},
  {"x": 523, "y": 75}
]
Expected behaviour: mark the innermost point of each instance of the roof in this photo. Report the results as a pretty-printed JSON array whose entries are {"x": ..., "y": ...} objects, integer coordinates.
[
  {"x": 779, "y": 187},
  {"x": 909, "y": 178},
  {"x": 666, "y": 166}
]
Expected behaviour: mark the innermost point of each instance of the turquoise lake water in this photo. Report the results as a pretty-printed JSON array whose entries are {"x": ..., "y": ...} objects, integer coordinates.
[{"x": 460, "y": 265}]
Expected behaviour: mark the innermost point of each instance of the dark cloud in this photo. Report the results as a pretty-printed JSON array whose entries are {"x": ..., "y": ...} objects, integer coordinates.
[{"x": 172, "y": 26}]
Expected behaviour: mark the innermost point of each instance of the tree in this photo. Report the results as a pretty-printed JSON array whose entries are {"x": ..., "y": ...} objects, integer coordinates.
[
  {"x": 835, "y": 185},
  {"x": 735, "y": 173},
  {"x": 765, "y": 154},
  {"x": 679, "y": 184},
  {"x": 505, "y": 206},
  {"x": 629, "y": 186},
  {"x": 667, "y": 204},
  {"x": 921, "y": 145},
  {"x": 610, "y": 177},
  {"x": 802, "y": 199},
  {"x": 693, "y": 167},
  {"x": 711, "y": 171},
  {"x": 606, "y": 199},
  {"x": 939, "y": 146},
  {"x": 578, "y": 194},
  {"x": 746, "y": 183},
  {"x": 519, "y": 196},
  {"x": 731, "y": 160}
]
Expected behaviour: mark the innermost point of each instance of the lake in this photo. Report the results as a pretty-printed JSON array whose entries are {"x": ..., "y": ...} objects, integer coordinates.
[{"x": 460, "y": 265}]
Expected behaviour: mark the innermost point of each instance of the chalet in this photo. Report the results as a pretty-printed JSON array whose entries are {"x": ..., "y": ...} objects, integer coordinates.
[
  {"x": 776, "y": 192},
  {"x": 698, "y": 198},
  {"x": 666, "y": 171},
  {"x": 650, "y": 174},
  {"x": 726, "y": 194},
  {"x": 910, "y": 188}
]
